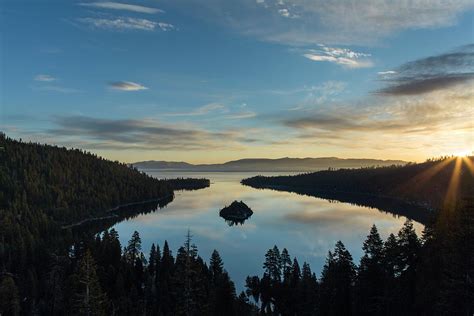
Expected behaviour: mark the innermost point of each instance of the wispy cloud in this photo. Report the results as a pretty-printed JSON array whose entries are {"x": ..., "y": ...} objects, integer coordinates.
[
  {"x": 121, "y": 6},
  {"x": 341, "y": 56},
  {"x": 364, "y": 22},
  {"x": 432, "y": 73},
  {"x": 166, "y": 26},
  {"x": 409, "y": 115},
  {"x": 385, "y": 73},
  {"x": 205, "y": 109},
  {"x": 429, "y": 109},
  {"x": 240, "y": 115},
  {"x": 44, "y": 78},
  {"x": 139, "y": 134},
  {"x": 439, "y": 121},
  {"x": 120, "y": 23},
  {"x": 326, "y": 88},
  {"x": 286, "y": 13},
  {"x": 126, "y": 86},
  {"x": 218, "y": 110}
]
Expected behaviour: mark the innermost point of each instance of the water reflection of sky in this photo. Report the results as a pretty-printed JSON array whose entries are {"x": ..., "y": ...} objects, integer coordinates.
[{"x": 307, "y": 226}]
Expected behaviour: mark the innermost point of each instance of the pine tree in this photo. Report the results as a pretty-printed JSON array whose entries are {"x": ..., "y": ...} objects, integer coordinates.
[
  {"x": 371, "y": 276},
  {"x": 222, "y": 290},
  {"x": 134, "y": 247},
  {"x": 409, "y": 246},
  {"x": 215, "y": 264},
  {"x": 308, "y": 291},
  {"x": 336, "y": 282},
  {"x": 152, "y": 261},
  {"x": 286, "y": 265},
  {"x": 272, "y": 264},
  {"x": 88, "y": 296},
  {"x": 166, "y": 271}
]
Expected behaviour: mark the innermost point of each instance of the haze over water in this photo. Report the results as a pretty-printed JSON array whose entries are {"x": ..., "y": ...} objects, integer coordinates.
[{"x": 307, "y": 226}]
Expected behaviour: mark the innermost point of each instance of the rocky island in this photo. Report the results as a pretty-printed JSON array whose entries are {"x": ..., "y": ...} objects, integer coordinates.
[{"x": 236, "y": 213}]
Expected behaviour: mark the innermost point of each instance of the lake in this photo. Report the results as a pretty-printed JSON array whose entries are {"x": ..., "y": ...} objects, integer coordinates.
[{"x": 307, "y": 226}]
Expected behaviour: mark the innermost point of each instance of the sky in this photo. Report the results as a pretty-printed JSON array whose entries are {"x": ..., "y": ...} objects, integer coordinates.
[{"x": 215, "y": 80}]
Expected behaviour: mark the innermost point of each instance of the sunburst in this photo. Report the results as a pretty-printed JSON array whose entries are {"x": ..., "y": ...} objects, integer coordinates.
[{"x": 459, "y": 164}]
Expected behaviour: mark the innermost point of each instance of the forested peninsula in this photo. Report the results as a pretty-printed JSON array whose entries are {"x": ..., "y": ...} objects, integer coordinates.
[{"x": 415, "y": 190}]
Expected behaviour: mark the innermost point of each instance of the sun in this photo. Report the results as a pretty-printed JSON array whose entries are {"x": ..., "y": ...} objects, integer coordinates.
[{"x": 464, "y": 153}]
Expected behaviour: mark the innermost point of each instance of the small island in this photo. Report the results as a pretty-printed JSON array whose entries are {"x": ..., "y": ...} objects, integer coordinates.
[{"x": 236, "y": 213}]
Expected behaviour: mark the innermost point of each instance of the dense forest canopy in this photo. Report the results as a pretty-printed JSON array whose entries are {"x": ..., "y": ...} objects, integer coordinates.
[
  {"x": 43, "y": 188},
  {"x": 432, "y": 184}
]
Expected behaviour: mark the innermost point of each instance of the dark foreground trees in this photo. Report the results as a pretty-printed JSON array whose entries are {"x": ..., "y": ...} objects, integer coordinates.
[
  {"x": 403, "y": 275},
  {"x": 97, "y": 278}
]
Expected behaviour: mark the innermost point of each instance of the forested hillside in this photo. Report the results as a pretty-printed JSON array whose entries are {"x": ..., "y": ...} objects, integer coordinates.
[
  {"x": 432, "y": 184},
  {"x": 43, "y": 188}
]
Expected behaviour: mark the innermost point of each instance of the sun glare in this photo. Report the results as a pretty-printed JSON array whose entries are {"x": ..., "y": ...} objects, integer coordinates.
[{"x": 464, "y": 153}]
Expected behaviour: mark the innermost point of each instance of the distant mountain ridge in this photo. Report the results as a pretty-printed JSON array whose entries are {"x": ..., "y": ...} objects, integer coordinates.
[{"x": 269, "y": 165}]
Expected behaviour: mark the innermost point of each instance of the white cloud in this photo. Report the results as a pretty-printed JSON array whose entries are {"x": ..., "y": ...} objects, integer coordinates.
[
  {"x": 284, "y": 12},
  {"x": 121, "y": 6},
  {"x": 166, "y": 26},
  {"x": 385, "y": 73},
  {"x": 127, "y": 86},
  {"x": 44, "y": 78},
  {"x": 341, "y": 56},
  {"x": 120, "y": 23}
]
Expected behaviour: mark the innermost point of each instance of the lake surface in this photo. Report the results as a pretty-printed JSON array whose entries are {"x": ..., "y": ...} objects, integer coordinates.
[{"x": 307, "y": 226}]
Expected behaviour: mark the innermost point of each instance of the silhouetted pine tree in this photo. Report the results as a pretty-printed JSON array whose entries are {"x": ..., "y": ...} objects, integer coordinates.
[
  {"x": 336, "y": 282},
  {"x": 369, "y": 287}
]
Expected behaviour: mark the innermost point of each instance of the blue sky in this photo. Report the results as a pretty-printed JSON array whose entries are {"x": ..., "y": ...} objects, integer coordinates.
[{"x": 210, "y": 81}]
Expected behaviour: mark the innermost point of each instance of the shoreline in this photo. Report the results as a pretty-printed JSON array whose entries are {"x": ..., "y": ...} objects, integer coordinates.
[
  {"x": 427, "y": 210},
  {"x": 116, "y": 208}
]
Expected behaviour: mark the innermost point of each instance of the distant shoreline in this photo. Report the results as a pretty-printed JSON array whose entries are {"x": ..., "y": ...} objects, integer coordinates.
[{"x": 286, "y": 164}]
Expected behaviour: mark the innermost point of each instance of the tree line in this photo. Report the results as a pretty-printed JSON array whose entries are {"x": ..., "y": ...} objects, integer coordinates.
[
  {"x": 426, "y": 184},
  {"x": 99, "y": 277}
]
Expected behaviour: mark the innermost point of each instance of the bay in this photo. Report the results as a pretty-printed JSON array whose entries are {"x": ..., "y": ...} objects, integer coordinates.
[{"x": 307, "y": 226}]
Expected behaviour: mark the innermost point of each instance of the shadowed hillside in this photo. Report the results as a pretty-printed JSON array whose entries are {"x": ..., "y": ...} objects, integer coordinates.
[
  {"x": 432, "y": 184},
  {"x": 45, "y": 190}
]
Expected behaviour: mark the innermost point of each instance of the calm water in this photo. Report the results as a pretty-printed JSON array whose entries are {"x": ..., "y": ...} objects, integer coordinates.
[{"x": 307, "y": 226}]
